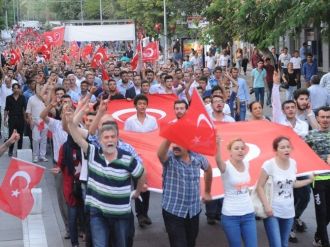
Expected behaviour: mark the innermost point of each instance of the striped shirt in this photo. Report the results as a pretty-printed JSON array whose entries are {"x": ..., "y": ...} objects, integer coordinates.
[
  {"x": 109, "y": 184},
  {"x": 181, "y": 181}
]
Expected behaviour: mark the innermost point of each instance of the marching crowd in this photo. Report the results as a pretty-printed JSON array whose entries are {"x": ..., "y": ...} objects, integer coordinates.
[{"x": 97, "y": 174}]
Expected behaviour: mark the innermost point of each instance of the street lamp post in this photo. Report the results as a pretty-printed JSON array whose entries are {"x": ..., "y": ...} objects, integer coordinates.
[
  {"x": 81, "y": 13},
  {"x": 165, "y": 32},
  {"x": 101, "y": 12}
]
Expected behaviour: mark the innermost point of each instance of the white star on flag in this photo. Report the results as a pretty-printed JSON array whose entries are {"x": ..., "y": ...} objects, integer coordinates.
[
  {"x": 196, "y": 140},
  {"x": 15, "y": 193},
  {"x": 77, "y": 169}
]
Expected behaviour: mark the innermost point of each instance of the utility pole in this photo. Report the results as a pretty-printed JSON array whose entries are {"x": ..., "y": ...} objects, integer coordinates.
[
  {"x": 14, "y": 13},
  {"x": 81, "y": 13},
  {"x": 6, "y": 15},
  {"x": 165, "y": 32},
  {"x": 101, "y": 11}
]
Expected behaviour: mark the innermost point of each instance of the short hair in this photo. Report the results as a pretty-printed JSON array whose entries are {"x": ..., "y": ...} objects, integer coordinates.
[
  {"x": 168, "y": 77},
  {"x": 91, "y": 113},
  {"x": 252, "y": 103},
  {"x": 309, "y": 54},
  {"x": 218, "y": 68},
  {"x": 216, "y": 96},
  {"x": 267, "y": 59},
  {"x": 315, "y": 79},
  {"x": 111, "y": 122},
  {"x": 66, "y": 96},
  {"x": 216, "y": 88},
  {"x": 15, "y": 85},
  {"x": 140, "y": 97},
  {"x": 107, "y": 127},
  {"x": 322, "y": 108},
  {"x": 59, "y": 89},
  {"x": 145, "y": 82},
  {"x": 123, "y": 72},
  {"x": 277, "y": 140},
  {"x": 177, "y": 69},
  {"x": 288, "y": 102},
  {"x": 84, "y": 82},
  {"x": 149, "y": 71},
  {"x": 300, "y": 91},
  {"x": 203, "y": 78},
  {"x": 181, "y": 101},
  {"x": 260, "y": 60}
]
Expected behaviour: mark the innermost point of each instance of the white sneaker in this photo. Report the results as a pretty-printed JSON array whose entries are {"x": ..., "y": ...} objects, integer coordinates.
[
  {"x": 35, "y": 160},
  {"x": 43, "y": 159}
]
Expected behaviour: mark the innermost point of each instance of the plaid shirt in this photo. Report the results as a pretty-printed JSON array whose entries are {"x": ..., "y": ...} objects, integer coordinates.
[
  {"x": 181, "y": 195},
  {"x": 319, "y": 141}
]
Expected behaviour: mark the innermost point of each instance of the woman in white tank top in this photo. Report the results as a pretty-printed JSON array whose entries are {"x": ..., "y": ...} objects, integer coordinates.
[{"x": 238, "y": 218}]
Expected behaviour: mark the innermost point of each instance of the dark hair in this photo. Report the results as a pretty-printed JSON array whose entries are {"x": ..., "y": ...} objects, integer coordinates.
[
  {"x": 181, "y": 101},
  {"x": 218, "y": 68},
  {"x": 177, "y": 69},
  {"x": 123, "y": 72},
  {"x": 145, "y": 82},
  {"x": 140, "y": 97},
  {"x": 15, "y": 85},
  {"x": 91, "y": 113},
  {"x": 300, "y": 91},
  {"x": 168, "y": 77},
  {"x": 216, "y": 96},
  {"x": 277, "y": 140},
  {"x": 203, "y": 78},
  {"x": 322, "y": 108},
  {"x": 315, "y": 79},
  {"x": 309, "y": 55},
  {"x": 288, "y": 102},
  {"x": 252, "y": 103},
  {"x": 216, "y": 88},
  {"x": 267, "y": 59},
  {"x": 260, "y": 60},
  {"x": 59, "y": 89},
  {"x": 84, "y": 82},
  {"x": 66, "y": 96},
  {"x": 149, "y": 71}
]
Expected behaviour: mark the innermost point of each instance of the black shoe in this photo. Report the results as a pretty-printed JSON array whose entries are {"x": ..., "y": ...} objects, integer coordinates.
[
  {"x": 142, "y": 220},
  {"x": 293, "y": 238},
  {"x": 211, "y": 221},
  {"x": 10, "y": 154},
  {"x": 148, "y": 220},
  {"x": 67, "y": 235},
  {"x": 300, "y": 225}
]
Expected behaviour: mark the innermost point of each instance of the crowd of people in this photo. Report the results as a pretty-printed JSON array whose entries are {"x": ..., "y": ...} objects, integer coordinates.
[{"x": 97, "y": 174}]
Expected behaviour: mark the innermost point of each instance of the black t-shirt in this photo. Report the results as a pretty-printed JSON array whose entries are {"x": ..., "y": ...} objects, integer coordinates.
[
  {"x": 15, "y": 108},
  {"x": 291, "y": 78}
]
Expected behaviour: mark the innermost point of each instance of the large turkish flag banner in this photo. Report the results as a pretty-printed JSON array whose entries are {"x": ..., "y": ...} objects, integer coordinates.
[
  {"x": 150, "y": 53},
  {"x": 159, "y": 106},
  {"x": 15, "y": 192},
  {"x": 258, "y": 136}
]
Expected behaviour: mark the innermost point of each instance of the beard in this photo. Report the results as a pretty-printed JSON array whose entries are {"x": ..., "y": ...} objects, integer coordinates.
[{"x": 108, "y": 149}]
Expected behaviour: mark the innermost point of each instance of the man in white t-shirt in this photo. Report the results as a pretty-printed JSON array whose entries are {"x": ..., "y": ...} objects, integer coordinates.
[
  {"x": 217, "y": 114},
  {"x": 34, "y": 108},
  {"x": 284, "y": 59},
  {"x": 141, "y": 121},
  {"x": 5, "y": 90},
  {"x": 210, "y": 62}
]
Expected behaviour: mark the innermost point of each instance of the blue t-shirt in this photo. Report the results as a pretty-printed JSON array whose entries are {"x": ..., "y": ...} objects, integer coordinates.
[{"x": 258, "y": 78}]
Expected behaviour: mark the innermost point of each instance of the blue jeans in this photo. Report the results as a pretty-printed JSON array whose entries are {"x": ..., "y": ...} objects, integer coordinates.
[
  {"x": 278, "y": 231},
  {"x": 73, "y": 214},
  {"x": 259, "y": 92},
  {"x": 237, "y": 227},
  {"x": 289, "y": 92},
  {"x": 120, "y": 228},
  {"x": 242, "y": 112}
]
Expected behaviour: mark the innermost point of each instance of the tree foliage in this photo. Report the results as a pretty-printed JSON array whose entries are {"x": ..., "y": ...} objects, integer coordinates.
[{"x": 261, "y": 22}]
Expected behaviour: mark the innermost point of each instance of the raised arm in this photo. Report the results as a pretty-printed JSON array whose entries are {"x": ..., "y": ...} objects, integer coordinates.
[
  {"x": 220, "y": 163},
  {"x": 100, "y": 113},
  {"x": 74, "y": 131},
  {"x": 276, "y": 100},
  {"x": 162, "y": 150}
]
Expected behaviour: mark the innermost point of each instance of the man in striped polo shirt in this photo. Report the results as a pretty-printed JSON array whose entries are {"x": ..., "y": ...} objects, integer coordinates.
[{"x": 109, "y": 185}]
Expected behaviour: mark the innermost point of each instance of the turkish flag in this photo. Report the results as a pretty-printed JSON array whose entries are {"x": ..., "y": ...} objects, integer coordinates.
[
  {"x": 14, "y": 56},
  {"x": 86, "y": 51},
  {"x": 41, "y": 125},
  {"x": 74, "y": 50},
  {"x": 194, "y": 131},
  {"x": 66, "y": 59},
  {"x": 150, "y": 53},
  {"x": 55, "y": 37},
  {"x": 45, "y": 50},
  {"x": 134, "y": 62},
  {"x": 105, "y": 75},
  {"x": 99, "y": 57},
  {"x": 15, "y": 192},
  {"x": 258, "y": 136}
]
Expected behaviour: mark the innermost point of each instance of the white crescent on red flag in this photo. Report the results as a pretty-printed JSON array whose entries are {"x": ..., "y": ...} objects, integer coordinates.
[
  {"x": 194, "y": 131},
  {"x": 100, "y": 56},
  {"x": 150, "y": 53},
  {"x": 258, "y": 136},
  {"x": 15, "y": 191}
]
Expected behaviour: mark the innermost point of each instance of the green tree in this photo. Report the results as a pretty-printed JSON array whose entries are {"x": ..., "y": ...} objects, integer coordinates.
[{"x": 261, "y": 22}]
